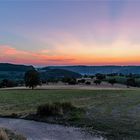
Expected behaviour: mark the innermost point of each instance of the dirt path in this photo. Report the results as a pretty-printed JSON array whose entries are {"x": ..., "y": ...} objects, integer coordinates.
[
  {"x": 43, "y": 131},
  {"x": 104, "y": 86}
]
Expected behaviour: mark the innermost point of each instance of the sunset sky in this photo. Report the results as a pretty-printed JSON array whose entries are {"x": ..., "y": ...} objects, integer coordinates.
[{"x": 70, "y": 32}]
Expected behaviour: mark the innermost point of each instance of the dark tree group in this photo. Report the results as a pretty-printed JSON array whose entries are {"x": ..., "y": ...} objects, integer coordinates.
[
  {"x": 112, "y": 81},
  {"x": 32, "y": 79}
]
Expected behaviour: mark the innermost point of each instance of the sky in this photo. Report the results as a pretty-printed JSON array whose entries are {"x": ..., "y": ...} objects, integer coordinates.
[{"x": 70, "y": 32}]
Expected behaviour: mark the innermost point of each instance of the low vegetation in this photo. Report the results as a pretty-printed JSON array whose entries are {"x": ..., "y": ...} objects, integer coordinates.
[
  {"x": 3, "y": 135},
  {"x": 115, "y": 112},
  {"x": 9, "y": 135},
  {"x": 128, "y": 80},
  {"x": 57, "y": 112},
  {"x": 97, "y": 82},
  {"x": 55, "y": 109}
]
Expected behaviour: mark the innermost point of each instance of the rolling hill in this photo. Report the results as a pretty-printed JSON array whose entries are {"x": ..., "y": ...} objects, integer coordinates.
[
  {"x": 13, "y": 71},
  {"x": 14, "y": 67},
  {"x": 58, "y": 74},
  {"x": 91, "y": 70}
]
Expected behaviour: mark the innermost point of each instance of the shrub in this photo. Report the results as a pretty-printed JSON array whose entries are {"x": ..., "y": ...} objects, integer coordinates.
[
  {"x": 81, "y": 81},
  {"x": 112, "y": 81},
  {"x": 92, "y": 76},
  {"x": 54, "y": 109},
  {"x": 72, "y": 82},
  {"x": 100, "y": 76},
  {"x": 88, "y": 83},
  {"x": 97, "y": 82},
  {"x": 7, "y": 83},
  {"x": 48, "y": 110},
  {"x": 131, "y": 82}
]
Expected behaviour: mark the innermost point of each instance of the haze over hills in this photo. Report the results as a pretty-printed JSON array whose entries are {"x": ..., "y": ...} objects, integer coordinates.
[
  {"x": 58, "y": 74},
  {"x": 91, "y": 70},
  {"x": 14, "y": 71}
]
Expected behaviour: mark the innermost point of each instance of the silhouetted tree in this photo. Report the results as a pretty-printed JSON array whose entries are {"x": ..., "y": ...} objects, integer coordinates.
[
  {"x": 72, "y": 81},
  {"x": 131, "y": 82},
  {"x": 66, "y": 79},
  {"x": 32, "y": 79},
  {"x": 97, "y": 82},
  {"x": 88, "y": 83},
  {"x": 112, "y": 81},
  {"x": 85, "y": 76},
  {"x": 81, "y": 81},
  {"x": 7, "y": 83},
  {"x": 92, "y": 76},
  {"x": 100, "y": 76}
]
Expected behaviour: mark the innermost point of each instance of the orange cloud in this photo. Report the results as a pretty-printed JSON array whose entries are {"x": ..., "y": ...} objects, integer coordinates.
[
  {"x": 118, "y": 53},
  {"x": 12, "y": 55}
]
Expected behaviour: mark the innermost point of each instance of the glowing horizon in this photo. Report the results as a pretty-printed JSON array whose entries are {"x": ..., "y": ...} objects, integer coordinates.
[{"x": 70, "y": 32}]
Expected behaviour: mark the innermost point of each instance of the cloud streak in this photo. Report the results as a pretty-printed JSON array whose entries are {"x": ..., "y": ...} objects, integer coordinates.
[
  {"x": 11, "y": 54},
  {"x": 70, "y": 33}
]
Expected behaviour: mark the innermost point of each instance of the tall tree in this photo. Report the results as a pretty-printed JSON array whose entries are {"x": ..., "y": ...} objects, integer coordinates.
[
  {"x": 131, "y": 82},
  {"x": 32, "y": 79},
  {"x": 112, "y": 81}
]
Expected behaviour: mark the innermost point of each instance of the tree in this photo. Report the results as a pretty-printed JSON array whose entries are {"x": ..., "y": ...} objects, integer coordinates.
[
  {"x": 72, "y": 81},
  {"x": 7, "y": 83},
  {"x": 66, "y": 79},
  {"x": 81, "y": 81},
  {"x": 88, "y": 83},
  {"x": 131, "y": 82},
  {"x": 32, "y": 79},
  {"x": 112, "y": 81},
  {"x": 100, "y": 76},
  {"x": 97, "y": 82}
]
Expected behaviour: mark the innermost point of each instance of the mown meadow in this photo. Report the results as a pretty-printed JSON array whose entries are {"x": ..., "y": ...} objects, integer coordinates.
[{"x": 115, "y": 112}]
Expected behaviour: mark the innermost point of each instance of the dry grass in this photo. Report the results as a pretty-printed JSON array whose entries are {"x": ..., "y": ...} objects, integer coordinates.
[
  {"x": 3, "y": 135},
  {"x": 9, "y": 135}
]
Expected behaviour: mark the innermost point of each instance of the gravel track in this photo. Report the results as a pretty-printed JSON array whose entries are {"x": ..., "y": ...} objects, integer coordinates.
[{"x": 43, "y": 131}]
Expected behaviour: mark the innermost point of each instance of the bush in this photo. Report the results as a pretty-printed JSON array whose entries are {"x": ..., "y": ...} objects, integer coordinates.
[
  {"x": 100, "y": 76},
  {"x": 88, "y": 83},
  {"x": 54, "y": 109},
  {"x": 112, "y": 81},
  {"x": 131, "y": 82},
  {"x": 7, "y": 83},
  {"x": 97, "y": 82},
  {"x": 72, "y": 82},
  {"x": 81, "y": 81},
  {"x": 92, "y": 76}
]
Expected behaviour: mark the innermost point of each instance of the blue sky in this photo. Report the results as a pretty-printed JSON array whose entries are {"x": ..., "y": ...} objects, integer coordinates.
[{"x": 62, "y": 32}]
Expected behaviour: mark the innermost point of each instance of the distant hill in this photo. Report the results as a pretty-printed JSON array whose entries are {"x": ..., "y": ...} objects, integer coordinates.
[
  {"x": 99, "y": 69},
  {"x": 14, "y": 67},
  {"x": 58, "y": 73},
  {"x": 13, "y": 71},
  {"x": 16, "y": 72}
]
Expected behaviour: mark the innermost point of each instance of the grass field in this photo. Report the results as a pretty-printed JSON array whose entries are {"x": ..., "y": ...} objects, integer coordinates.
[
  {"x": 114, "y": 111},
  {"x": 24, "y": 101}
]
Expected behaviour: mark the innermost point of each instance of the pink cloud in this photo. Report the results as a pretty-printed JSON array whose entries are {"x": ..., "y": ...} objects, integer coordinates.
[{"x": 13, "y": 55}]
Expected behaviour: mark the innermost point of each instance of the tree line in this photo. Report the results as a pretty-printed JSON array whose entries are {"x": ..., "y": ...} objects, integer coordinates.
[{"x": 32, "y": 79}]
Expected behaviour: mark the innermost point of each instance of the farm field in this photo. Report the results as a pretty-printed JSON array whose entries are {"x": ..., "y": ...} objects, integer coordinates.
[{"x": 116, "y": 112}]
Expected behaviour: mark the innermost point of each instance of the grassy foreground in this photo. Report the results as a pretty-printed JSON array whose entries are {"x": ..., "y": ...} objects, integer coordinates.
[
  {"x": 9, "y": 135},
  {"x": 116, "y": 112}
]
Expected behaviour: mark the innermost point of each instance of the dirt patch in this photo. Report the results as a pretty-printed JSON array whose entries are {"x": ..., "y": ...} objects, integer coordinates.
[{"x": 93, "y": 86}]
